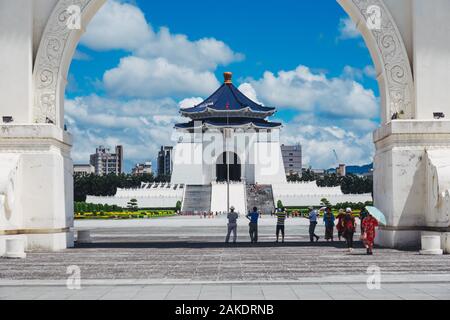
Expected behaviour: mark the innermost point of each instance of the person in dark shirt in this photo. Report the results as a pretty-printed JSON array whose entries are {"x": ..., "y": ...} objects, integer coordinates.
[
  {"x": 328, "y": 219},
  {"x": 253, "y": 226}
]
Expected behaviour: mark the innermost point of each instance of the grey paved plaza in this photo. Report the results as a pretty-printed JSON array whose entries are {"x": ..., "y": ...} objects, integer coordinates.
[{"x": 185, "y": 258}]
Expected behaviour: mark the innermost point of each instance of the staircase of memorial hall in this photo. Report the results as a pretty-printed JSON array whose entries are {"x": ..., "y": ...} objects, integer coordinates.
[
  {"x": 260, "y": 196},
  {"x": 197, "y": 199}
]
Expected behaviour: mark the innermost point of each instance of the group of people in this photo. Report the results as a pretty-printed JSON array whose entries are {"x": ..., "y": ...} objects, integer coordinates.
[
  {"x": 253, "y": 216},
  {"x": 344, "y": 222}
]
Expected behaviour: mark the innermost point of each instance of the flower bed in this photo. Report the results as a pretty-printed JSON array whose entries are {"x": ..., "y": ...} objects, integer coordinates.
[{"x": 141, "y": 214}]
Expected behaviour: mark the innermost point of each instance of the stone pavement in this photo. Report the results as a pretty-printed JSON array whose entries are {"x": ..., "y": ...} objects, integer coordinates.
[
  {"x": 186, "y": 258},
  {"x": 415, "y": 291}
]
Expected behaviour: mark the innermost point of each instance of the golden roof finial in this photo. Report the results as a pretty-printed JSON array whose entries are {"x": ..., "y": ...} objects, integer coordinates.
[{"x": 228, "y": 76}]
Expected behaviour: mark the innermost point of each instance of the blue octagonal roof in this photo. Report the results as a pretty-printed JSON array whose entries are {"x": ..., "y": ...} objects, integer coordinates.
[
  {"x": 230, "y": 123},
  {"x": 228, "y": 98}
]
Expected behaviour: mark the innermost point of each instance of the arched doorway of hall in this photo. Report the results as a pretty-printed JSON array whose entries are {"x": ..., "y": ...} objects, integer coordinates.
[{"x": 228, "y": 161}]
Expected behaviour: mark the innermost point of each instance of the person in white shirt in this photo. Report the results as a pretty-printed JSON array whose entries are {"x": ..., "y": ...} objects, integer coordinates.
[
  {"x": 232, "y": 225},
  {"x": 313, "y": 216}
]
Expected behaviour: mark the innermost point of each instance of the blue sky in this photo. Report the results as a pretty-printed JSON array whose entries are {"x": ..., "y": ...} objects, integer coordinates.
[{"x": 140, "y": 61}]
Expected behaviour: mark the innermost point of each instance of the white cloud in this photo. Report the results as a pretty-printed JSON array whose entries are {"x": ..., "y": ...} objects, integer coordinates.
[
  {"x": 137, "y": 77},
  {"x": 249, "y": 91},
  {"x": 319, "y": 140},
  {"x": 81, "y": 56},
  {"x": 160, "y": 63},
  {"x": 117, "y": 26},
  {"x": 72, "y": 84},
  {"x": 353, "y": 73},
  {"x": 306, "y": 91},
  {"x": 204, "y": 54},
  {"x": 359, "y": 74},
  {"x": 348, "y": 29},
  {"x": 335, "y": 113},
  {"x": 370, "y": 72},
  {"x": 190, "y": 103},
  {"x": 124, "y": 26},
  {"x": 141, "y": 126}
]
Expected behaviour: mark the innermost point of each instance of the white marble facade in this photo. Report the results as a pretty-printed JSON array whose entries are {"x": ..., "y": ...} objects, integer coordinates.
[{"x": 259, "y": 154}]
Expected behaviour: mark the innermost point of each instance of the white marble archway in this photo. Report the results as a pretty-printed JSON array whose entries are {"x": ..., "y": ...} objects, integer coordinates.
[
  {"x": 411, "y": 179},
  {"x": 58, "y": 44},
  {"x": 54, "y": 56}
]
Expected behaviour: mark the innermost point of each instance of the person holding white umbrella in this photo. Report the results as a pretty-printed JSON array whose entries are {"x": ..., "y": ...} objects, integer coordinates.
[{"x": 369, "y": 225}]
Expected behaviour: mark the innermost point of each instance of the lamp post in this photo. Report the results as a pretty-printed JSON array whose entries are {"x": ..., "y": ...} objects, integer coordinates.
[
  {"x": 228, "y": 76},
  {"x": 228, "y": 131}
]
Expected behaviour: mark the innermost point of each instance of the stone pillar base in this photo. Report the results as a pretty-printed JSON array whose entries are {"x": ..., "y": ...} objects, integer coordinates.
[
  {"x": 431, "y": 245},
  {"x": 404, "y": 189},
  {"x": 445, "y": 239},
  {"x": 399, "y": 239},
  {"x": 15, "y": 249},
  {"x": 411, "y": 239},
  {"x": 446, "y": 242},
  {"x": 39, "y": 200},
  {"x": 40, "y": 241},
  {"x": 3, "y": 239},
  {"x": 50, "y": 242}
]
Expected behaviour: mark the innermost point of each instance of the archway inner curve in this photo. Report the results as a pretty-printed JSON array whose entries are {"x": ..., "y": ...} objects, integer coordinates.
[{"x": 384, "y": 41}]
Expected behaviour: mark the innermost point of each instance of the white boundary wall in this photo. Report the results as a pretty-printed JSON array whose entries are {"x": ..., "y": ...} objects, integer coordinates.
[
  {"x": 143, "y": 202},
  {"x": 149, "y": 197},
  {"x": 309, "y": 194},
  {"x": 291, "y": 194}
]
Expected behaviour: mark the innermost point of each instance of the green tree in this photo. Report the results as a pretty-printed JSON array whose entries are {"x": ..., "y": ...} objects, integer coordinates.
[
  {"x": 93, "y": 185},
  {"x": 352, "y": 184},
  {"x": 178, "y": 206},
  {"x": 325, "y": 202},
  {"x": 133, "y": 205}
]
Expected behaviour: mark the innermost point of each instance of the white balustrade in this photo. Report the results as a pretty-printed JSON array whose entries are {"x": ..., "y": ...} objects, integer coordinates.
[
  {"x": 15, "y": 249},
  {"x": 431, "y": 245}
]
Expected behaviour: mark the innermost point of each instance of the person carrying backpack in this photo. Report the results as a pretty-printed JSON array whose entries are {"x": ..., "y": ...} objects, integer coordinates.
[
  {"x": 339, "y": 224},
  {"x": 349, "y": 227}
]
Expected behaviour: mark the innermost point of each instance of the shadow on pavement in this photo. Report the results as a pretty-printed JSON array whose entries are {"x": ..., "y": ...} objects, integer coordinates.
[{"x": 210, "y": 245}]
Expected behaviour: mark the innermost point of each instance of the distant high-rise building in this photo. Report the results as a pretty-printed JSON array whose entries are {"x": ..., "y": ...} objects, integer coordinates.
[
  {"x": 142, "y": 168},
  {"x": 165, "y": 161},
  {"x": 342, "y": 170},
  {"x": 292, "y": 158},
  {"x": 106, "y": 162}
]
